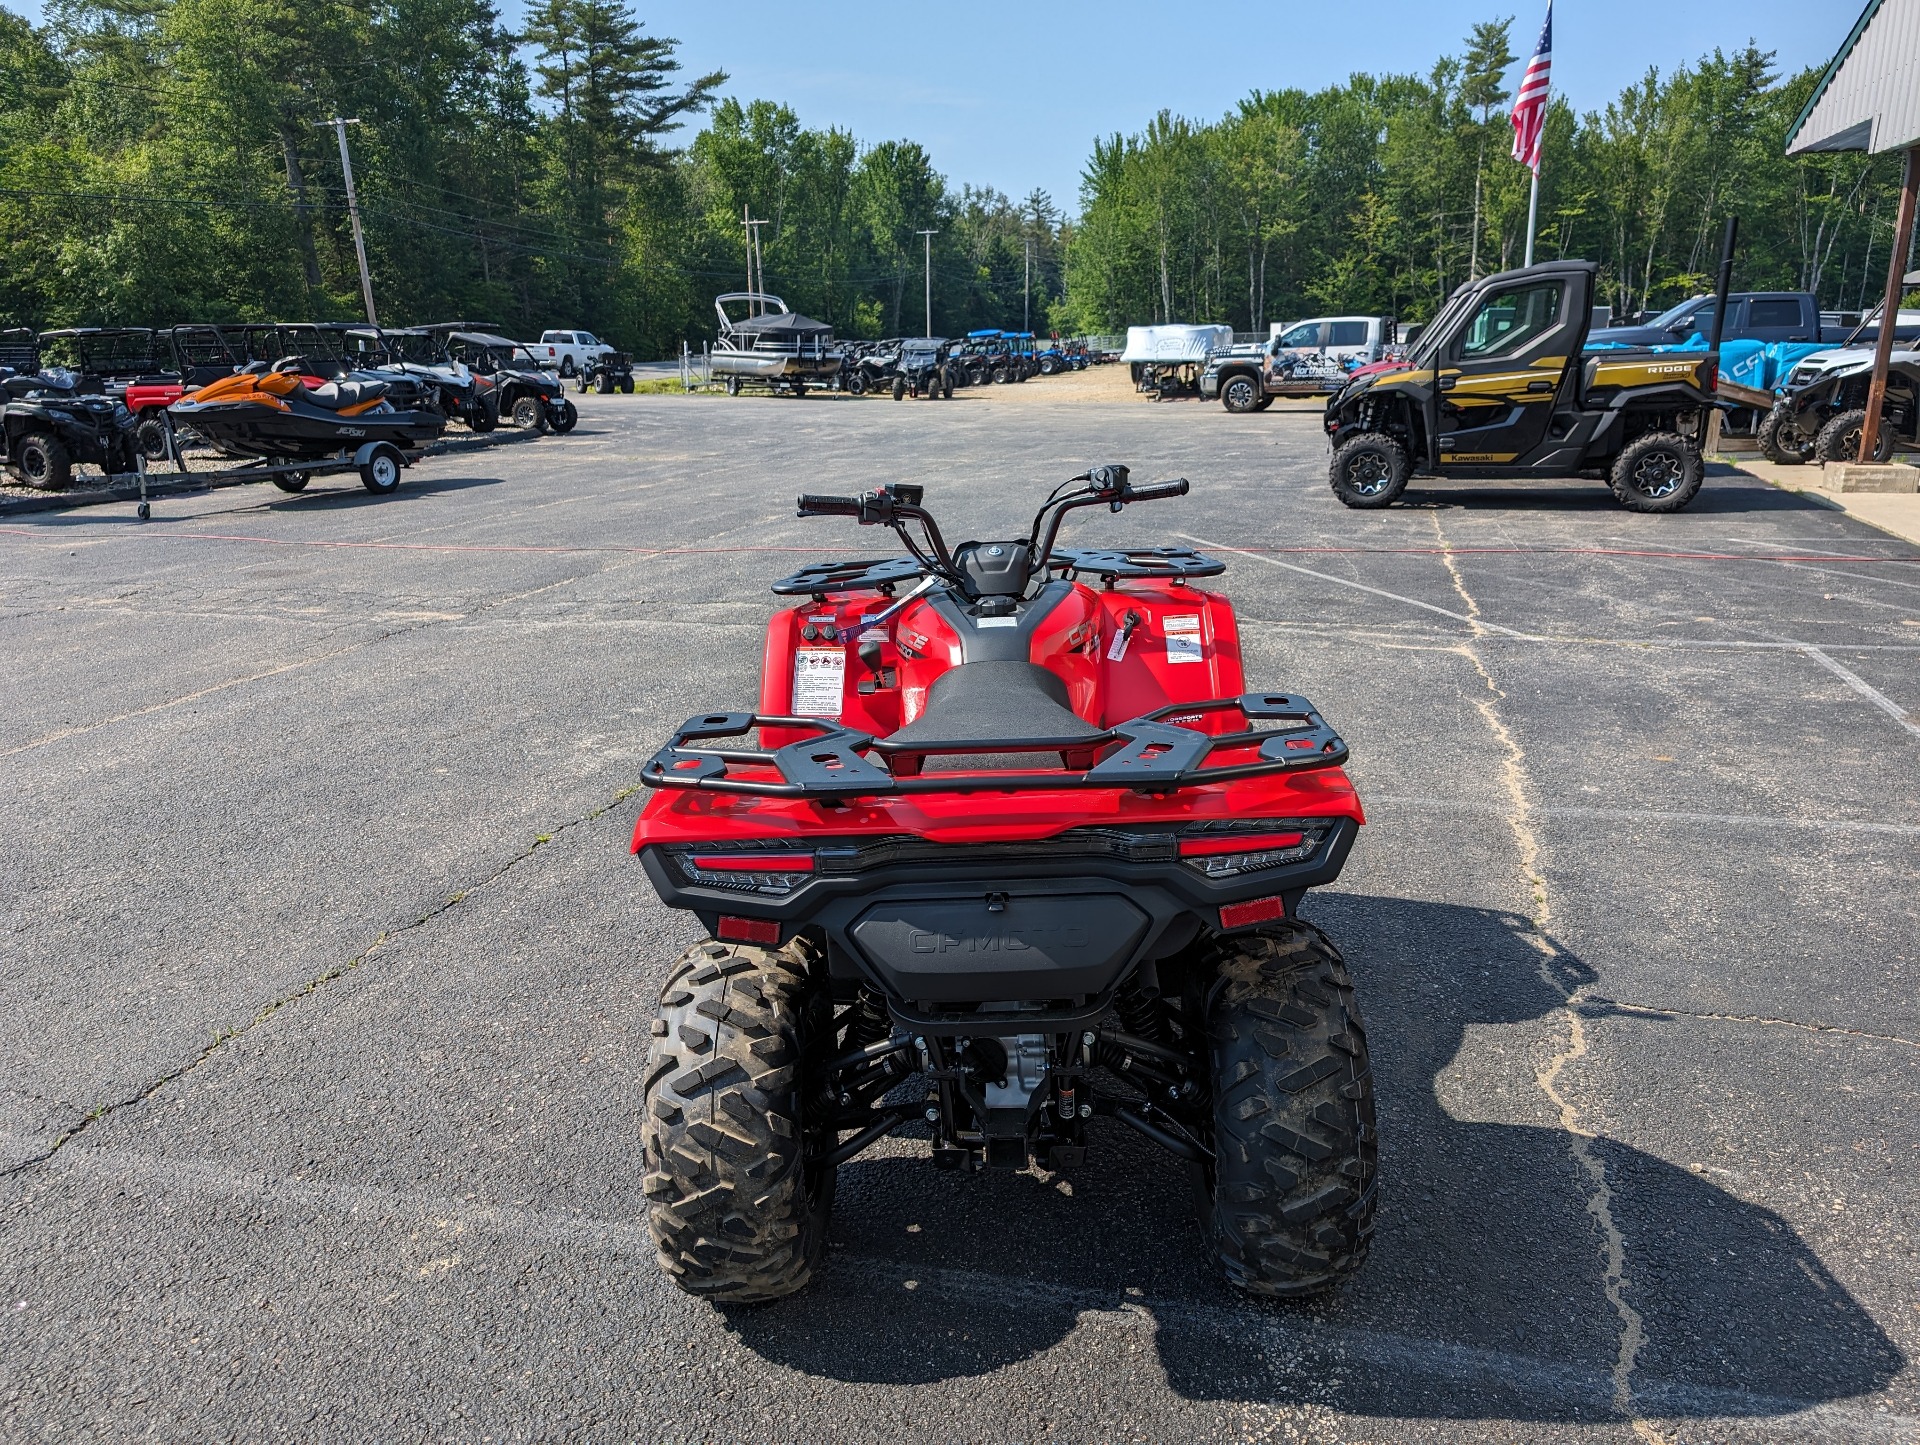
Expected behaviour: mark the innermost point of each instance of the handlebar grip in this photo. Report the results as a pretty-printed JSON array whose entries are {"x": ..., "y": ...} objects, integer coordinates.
[
  {"x": 818, "y": 506},
  {"x": 1154, "y": 491}
]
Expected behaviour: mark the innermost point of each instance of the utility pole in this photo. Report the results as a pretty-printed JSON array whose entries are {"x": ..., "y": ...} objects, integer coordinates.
[
  {"x": 1026, "y": 291},
  {"x": 340, "y": 125},
  {"x": 928, "y": 237},
  {"x": 754, "y": 258}
]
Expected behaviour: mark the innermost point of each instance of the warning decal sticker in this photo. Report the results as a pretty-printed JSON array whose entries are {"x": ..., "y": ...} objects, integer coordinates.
[
  {"x": 1183, "y": 638},
  {"x": 819, "y": 680}
]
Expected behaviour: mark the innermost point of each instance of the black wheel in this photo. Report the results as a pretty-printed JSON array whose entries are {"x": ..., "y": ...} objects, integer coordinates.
[
  {"x": 733, "y": 386},
  {"x": 1839, "y": 439},
  {"x": 567, "y": 367},
  {"x": 529, "y": 411},
  {"x": 603, "y": 384},
  {"x": 936, "y": 385},
  {"x": 483, "y": 415},
  {"x": 1289, "y": 1200},
  {"x": 998, "y": 376},
  {"x": 899, "y": 387},
  {"x": 1241, "y": 394},
  {"x": 1371, "y": 470},
  {"x": 42, "y": 461},
  {"x": 626, "y": 386},
  {"x": 143, "y": 511},
  {"x": 1658, "y": 472},
  {"x": 150, "y": 437},
  {"x": 857, "y": 384},
  {"x": 1782, "y": 440},
  {"x": 1048, "y": 366},
  {"x": 292, "y": 481},
  {"x": 737, "y": 1206},
  {"x": 380, "y": 473},
  {"x": 564, "y": 417}
]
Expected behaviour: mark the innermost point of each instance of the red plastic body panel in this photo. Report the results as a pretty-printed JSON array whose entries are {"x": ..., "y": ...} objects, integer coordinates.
[
  {"x": 1074, "y": 641},
  {"x": 153, "y": 396},
  {"x": 690, "y": 816}
]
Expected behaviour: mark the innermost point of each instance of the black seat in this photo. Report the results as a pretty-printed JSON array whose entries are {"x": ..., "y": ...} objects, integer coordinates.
[
  {"x": 995, "y": 702},
  {"x": 338, "y": 395}
]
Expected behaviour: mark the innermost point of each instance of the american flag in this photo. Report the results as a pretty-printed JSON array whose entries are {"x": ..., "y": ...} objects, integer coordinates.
[{"x": 1530, "y": 106}]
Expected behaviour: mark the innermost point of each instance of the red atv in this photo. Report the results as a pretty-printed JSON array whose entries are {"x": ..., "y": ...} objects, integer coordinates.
[{"x": 1014, "y": 852}]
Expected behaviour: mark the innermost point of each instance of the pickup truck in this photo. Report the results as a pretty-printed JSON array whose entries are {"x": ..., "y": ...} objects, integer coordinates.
[
  {"x": 568, "y": 352},
  {"x": 1751, "y": 316},
  {"x": 1305, "y": 358}
]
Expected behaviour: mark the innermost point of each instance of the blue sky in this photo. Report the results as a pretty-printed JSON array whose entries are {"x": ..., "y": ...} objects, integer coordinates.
[{"x": 1012, "y": 95}]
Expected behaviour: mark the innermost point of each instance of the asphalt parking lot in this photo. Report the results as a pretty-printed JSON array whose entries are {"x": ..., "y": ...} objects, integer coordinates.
[{"x": 327, "y": 977}]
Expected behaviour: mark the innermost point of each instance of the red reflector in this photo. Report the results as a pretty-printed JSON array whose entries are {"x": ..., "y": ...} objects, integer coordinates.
[
  {"x": 1239, "y": 915},
  {"x": 1235, "y": 843},
  {"x": 755, "y": 862},
  {"x": 749, "y": 930}
]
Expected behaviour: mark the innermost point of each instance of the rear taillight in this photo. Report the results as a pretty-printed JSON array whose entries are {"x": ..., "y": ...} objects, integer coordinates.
[
  {"x": 768, "y": 870},
  {"x": 1226, "y": 850}
]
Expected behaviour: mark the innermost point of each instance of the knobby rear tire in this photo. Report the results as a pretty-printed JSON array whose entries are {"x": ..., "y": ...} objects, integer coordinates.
[
  {"x": 1290, "y": 1198},
  {"x": 1658, "y": 472},
  {"x": 737, "y": 1210}
]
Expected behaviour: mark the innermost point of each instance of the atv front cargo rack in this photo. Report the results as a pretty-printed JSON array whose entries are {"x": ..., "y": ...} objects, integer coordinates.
[
  {"x": 1127, "y": 564},
  {"x": 1147, "y": 755}
]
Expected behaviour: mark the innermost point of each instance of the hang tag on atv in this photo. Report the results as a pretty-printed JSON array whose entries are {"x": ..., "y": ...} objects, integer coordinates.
[
  {"x": 1183, "y": 639},
  {"x": 819, "y": 681},
  {"x": 1117, "y": 649}
]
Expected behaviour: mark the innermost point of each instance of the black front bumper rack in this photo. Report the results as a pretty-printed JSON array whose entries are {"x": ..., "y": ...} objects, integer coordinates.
[{"x": 1147, "y": 754}]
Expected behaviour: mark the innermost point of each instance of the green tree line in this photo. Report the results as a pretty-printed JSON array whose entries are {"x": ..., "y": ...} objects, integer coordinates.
[
  {"x": 1383, "y": 194},
  {"x": 168, "y": 160}
]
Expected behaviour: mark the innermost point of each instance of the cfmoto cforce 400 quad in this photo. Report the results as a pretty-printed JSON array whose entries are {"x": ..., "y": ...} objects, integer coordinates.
[{"x": 1014, "y": 850}]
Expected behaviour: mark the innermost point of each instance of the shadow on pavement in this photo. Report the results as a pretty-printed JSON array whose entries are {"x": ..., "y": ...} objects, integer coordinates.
[
  {"x": 1484, "y": 1296},
  {"x": 1726, "y": 491}
]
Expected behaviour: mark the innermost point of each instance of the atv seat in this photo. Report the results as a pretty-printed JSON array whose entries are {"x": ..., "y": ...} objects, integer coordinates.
[
  {"x": 338, "y": 395},
  {"x": 994, "y": 702}
]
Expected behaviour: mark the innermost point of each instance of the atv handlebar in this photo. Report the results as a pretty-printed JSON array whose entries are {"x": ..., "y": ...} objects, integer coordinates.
[
  {"x": 812, "y": 505},
  {"x": 1154, "y": 491}
]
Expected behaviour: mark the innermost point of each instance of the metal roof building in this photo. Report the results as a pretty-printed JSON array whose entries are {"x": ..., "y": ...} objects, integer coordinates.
[{"x": 1869, "y": 99}]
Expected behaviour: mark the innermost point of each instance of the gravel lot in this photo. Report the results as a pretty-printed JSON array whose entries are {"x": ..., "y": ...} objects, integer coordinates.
[{"x": 327, "y": 976}]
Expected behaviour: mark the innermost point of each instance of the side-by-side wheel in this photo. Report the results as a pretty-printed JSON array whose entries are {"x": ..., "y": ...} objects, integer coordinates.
[
  {"x": 1782, "y": 440},
  {"x": 1839, "y": 439},
  {"x": 1370, "y": 470},
  {"x": 1658, "y": 472}
]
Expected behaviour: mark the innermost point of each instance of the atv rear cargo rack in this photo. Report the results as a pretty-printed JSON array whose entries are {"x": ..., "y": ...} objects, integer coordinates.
[
  {"x": 1147, "y": 755},
  {"x": 1124, "y": 563}
]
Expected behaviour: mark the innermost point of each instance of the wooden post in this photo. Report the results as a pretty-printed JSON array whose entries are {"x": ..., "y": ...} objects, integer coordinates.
[{"x": 1890, "y": 313}]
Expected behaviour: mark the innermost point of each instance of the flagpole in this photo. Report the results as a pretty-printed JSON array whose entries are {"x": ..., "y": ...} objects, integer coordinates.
[{"x": 1533, "y": 213}]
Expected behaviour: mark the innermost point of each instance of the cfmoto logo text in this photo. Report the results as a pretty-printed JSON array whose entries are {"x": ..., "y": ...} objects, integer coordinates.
[{"x": 1012, "y": 940}]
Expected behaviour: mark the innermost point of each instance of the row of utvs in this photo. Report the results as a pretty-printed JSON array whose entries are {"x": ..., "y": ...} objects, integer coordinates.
[{"x": 285, "y": 400}]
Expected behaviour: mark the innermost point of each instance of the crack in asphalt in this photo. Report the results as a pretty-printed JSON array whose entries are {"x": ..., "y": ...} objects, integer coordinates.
[
  {"x": 224, "y": 1036},
  {"x": 1660, "y": 1011},
  {"x": 1579, "y": 1138}
]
